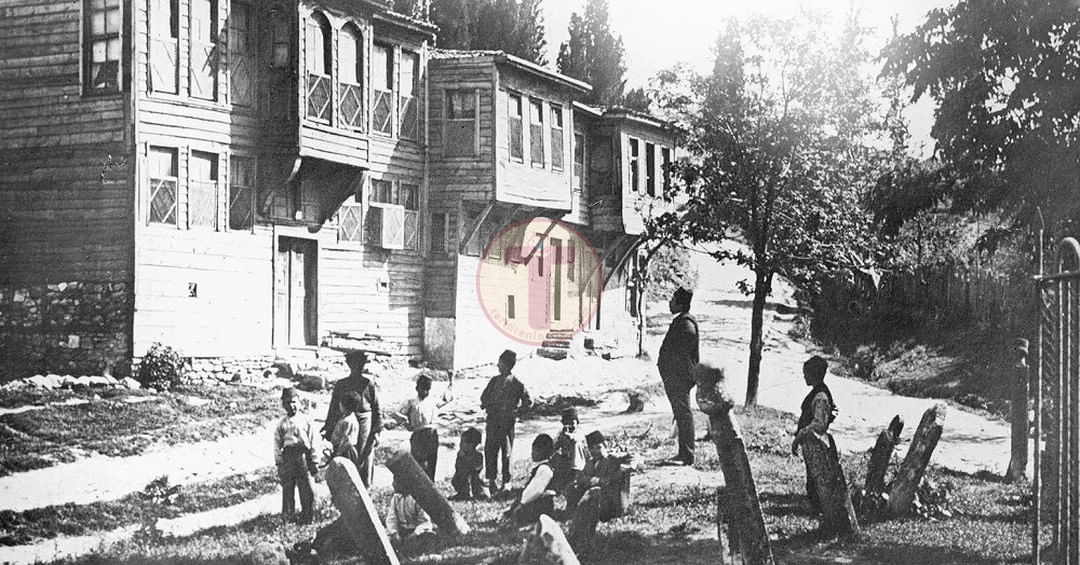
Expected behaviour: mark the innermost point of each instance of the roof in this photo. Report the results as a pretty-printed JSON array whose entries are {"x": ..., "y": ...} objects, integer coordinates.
[{"x": 502, "y": 57}]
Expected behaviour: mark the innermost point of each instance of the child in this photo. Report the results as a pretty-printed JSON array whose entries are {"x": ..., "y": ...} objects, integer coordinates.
[
  {"x": 419, "y": 415},
  {"x": 294, "y": 443},
  {"x": 536, "y": 498},
  {"x": 405, "y": 517},
  {"x": 570, "y": 455},
  {"x": 501, "y": 398},
  {"x": 347, "y": 431},
  {"x": 603, "y": 472},
  {"x": 466, "y": 481}
]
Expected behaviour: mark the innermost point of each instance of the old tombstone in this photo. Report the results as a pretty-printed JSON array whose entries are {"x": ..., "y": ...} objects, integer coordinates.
[
  {"x": 417, "y": 484},
  {"x": 911, "y": 471},
  {"x": 1019, "y": 415},
  {"x": 547, "y": 545},
  {"x": 742, "y": 509},
  {"x": 823, "y": 465},
  {"x": 881, "y": 455},
  {"x": 358, "y": 512}
]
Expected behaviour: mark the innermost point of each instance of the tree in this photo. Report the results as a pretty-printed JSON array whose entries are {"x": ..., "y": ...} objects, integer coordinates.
[
  {"x": 1004, "y": 77},
  {"x": 779, "y": 140},
  {"x": 594, "y": 54},
  {"x": 513, "y": 26}
]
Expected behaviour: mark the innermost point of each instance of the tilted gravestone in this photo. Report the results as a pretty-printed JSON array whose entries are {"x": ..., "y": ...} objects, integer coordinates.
[
  {"x": 358, "y": 513},
  {"x": 417, "y": 484},
  {"x": 823, "y": 465},
  {"x": 547, "y": 545},
  {"x": 902, "y": 493}
]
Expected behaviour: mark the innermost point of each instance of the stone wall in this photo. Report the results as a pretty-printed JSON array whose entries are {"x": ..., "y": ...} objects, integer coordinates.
[{"x": 77, "y": 328}]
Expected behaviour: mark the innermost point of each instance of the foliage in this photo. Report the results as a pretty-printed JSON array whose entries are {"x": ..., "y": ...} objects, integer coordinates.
[
  {"x": 513, "y": 26},
  {"x": 670, "y": 268},
  {"x": 1004, "y": 77},
  {"x": 594, "y": 54},
  {"x": 161, "y": 368},
  {"x": 780, "y": 137}
]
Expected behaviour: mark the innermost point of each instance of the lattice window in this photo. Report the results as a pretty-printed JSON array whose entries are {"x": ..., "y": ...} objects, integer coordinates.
[
  {"x": 536, "y": 132},
  {"x": 203, "y": 56},
  {"x": 460, "y": 136},
  {"x": 350, "y": 79},
  {"x": 241, "y": 193},
  {"x": 556, "y": 137},
  {"x": 103, "y": 46},
  {"x": 515, "y": 129},
  {"x": 203, "y": 190},
  {"x": 440, "y": 235},
  {"x": 319, "y": 53},
  {"x": 409, "y": 197},
  {"x": 164, "y": 46},
  {"x": 163, "y": 172},
  {"x": 407, "y": 103},
  {"x": 350, "y": 222},
  {"x": 383, "y": 68},
  {"x": 241, "y": 54},
  {"x": 665, "y": 154}
]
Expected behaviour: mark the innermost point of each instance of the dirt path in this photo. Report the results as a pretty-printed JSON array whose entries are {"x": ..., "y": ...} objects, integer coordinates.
[{"x": 970, "y": 442}]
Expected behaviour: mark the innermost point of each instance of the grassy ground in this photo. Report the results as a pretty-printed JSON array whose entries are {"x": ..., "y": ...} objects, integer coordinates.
[
  {"x": 673, "y": 522},
  {"x": 119, "y": 422}
]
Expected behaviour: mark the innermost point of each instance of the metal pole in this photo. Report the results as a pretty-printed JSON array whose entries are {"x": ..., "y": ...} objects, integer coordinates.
[{"x": 1037, "y": 487}]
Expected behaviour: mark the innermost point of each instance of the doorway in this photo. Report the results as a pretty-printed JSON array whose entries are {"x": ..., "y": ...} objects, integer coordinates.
[{"x": 295, "y": 292}]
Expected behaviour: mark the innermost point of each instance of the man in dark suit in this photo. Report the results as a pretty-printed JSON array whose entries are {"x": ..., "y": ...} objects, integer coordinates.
[{"x": 678, "y": 354}]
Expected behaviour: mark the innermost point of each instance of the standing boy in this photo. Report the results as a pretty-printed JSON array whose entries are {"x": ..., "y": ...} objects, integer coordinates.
[
  {"x": 419, "y": 415},
  {"x": 294, "y": 443},
  {"x": 678, "y": 354},
  {"x": 816, "y": 413},
  {"x": 502, "y": 397}
]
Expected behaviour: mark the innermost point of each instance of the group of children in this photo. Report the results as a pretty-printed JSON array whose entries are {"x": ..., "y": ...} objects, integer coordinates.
[{"x": 576, "y": 467}]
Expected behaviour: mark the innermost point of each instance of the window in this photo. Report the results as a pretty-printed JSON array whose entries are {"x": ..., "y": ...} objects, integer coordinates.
[
  {"x": 516, "y": 145},
  {"x": 203, "y": 53},
  {"x": 556, "y": 138},
  {"x": 383, "y": 69},
  {"x": 440, "y": 242},
  {"x": 202, "y": 190},
  {"x": 408, "y": 197},
  {"x": 163, "y": 166},
  {"x": 350, "y": 79},
  {"x": 536, "y": 132},
  {"x": 241, "y": 55},
  {"x": 164, "y": 46},
  {"x": 650, "y": 169},
  {"x": 665, "y": 157},
  {"x": 103, "y": 47},
  {"x": 408, "y": 111},
  {"x": 350, "y": 221},
  {"x": 461, "y": 123},
  {"x": 579, "y": 160},
  {"x": 319, "y": 53},
  {"x": 635, "y": 174},
  {"x": 241, "y": 193}
]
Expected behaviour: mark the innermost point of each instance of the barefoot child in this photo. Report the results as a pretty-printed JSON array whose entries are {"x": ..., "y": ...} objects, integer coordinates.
[
  {"x": 467, "y": 467},
  {"x": 503, "y": 396},
  {"x": 295, "y": 440}
]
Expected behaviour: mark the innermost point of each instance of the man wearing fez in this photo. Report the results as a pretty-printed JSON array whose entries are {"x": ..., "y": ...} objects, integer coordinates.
[
  {"x": 367, "y": 413},
  {"x": 678, "y": 354}
]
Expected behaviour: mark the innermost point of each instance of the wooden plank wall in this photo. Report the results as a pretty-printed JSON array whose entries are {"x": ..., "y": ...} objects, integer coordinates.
[
  {"x": 468, "y": 177},
  {"x": 64, "y": 196}
]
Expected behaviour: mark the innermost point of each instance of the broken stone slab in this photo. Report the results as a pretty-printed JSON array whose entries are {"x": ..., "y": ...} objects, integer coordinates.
[
  {"x": 547, "y": 545},
  {"x": 902, "y": 493},
  {"x": 823, "y": 465},
  {"x": 358, "y": 513},
  {"x": 417, "y": 484}
]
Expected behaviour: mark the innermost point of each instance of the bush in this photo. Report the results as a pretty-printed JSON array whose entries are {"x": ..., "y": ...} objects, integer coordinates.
[{"x": 161, "y": 368}]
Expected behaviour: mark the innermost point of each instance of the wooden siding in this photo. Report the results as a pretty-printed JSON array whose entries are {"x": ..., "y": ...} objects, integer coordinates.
[
  {"x": 470, "y": 177},
  {"x": 65, "y": 198}
]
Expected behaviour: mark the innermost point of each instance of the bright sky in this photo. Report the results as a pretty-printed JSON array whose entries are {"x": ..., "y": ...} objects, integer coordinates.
[{"x": 658, "y": 34}]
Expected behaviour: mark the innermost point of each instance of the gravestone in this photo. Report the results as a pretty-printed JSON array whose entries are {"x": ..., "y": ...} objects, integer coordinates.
[
  {"x": 359, "y": 516},
  {"x": 417, "y": 484},
  {"x": 911, "y": 471}
]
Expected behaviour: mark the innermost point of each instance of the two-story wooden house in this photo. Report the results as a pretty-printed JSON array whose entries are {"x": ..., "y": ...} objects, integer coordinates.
[{"x": 225, "y": 176}]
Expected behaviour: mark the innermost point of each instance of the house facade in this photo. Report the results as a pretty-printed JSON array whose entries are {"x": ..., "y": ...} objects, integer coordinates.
[{"x": 240, "y": 178}]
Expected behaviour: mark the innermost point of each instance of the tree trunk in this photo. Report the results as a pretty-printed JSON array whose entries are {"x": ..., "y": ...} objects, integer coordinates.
[{"x": 757, "y": 323}]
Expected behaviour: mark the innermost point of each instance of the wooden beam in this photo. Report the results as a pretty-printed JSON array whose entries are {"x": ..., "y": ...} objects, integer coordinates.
[{"x": 470, "y": 233}]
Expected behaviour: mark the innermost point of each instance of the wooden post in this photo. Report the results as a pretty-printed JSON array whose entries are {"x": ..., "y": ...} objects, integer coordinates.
[
  {"x": 881, "y": 455},
  {"x": 742, "y": 507},
  {"x": 417, "y": 484},
  {"x": 823, "y": 465},
  {"x": 546, "y": 544},
  {"x": 918, "y": 456},
  {"x": 358, "y": 513},
  {"x": 1018, "y": 462}
]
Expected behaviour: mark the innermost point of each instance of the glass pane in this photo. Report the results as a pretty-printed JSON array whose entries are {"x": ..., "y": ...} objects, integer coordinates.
[
  {"x": 556, "y": 117},
  {"x": 98, "y": 4},
  {"x": 347, "y": 50},
  {"x": 383, "y": 67},
  {"x": 113, "y": 50},
  {"x": 98, "y": 51},
  {"x": 162, "y": 162},
  {"x": 409, "y": 64},
  {"x": 97, "y": 24},
  {"x": 203, "y": 166},
  {"x": 113, "y": 21}
]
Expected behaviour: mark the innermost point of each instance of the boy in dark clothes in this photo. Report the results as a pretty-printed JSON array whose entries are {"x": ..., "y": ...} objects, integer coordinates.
[
  {"x": 536, "y": 498},
  {"x": 295, "y": 441},
  {"x": 603, "y": 489},
  {"x": 502, "y": 397},
  {"x": 467, "y": 467},
  {"x": 570, "y": 454}
]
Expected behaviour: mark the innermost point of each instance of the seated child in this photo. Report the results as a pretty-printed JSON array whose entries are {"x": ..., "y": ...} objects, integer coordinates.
[
  {"x": 570, "y": 455},
  {"x": 405, "y": 517},
  {"x": 467, "y": 482},
  {"x": 603, "y": 473},
  {"x": 536, "y": 498}
]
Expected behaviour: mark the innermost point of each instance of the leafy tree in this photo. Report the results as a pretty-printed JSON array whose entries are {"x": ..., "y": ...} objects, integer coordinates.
[
  {"x": 594, "y": 54},
  {"x": 1004, "y": 76},
  {"x": 637, "y": 99},
  {"x": 513, "y": 26},
  {"x": 779, "y": 141}
]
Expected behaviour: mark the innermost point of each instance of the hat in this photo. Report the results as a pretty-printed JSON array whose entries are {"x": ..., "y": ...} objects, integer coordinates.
[
  {"x": 509, "y": 356},
  {"x": 569, "y": 413},
  {"x": 355, "y": 356},
  {"x": 288, "y": 393},
  {"x": 423, "y": 380},
  {"x": 594, "y": 438},
  {"x": 682, "y": 296}
]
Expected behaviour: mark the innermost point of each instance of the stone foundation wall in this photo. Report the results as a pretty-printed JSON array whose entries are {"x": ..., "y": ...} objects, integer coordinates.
[
  {"x": 208, "y": 370},
  {"x": 77, "y": 328}
]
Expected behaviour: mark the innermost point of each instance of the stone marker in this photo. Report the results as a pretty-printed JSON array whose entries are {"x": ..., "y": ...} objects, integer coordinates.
[
  {"x": 881, "y": 455},
  {"x": 417, "y": 484},
  {"x": 358, "y": 512},
  {"x": 742, "y": 509},
  {"x": 911, "y": 471},
  {"x": 547, "y": 545},
  {"x": 823, "y": 464},
  {"x": 1019, "y": 460}
]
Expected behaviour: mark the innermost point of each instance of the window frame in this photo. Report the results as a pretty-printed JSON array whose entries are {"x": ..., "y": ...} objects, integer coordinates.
[
  {"x": 214, "y": 55},
  {"x": 578, "y": 175},
  {"x": 519, "y": 121},
  {"x": 537, "y": 151},
  {"x": 318, "y": 67},
  {"x": 234, "y": 164},
  {"x": 408, "y": 95},
  {"x": 665, "y": 163},
  {"x": 383, "y": 77},
  {"x": 174, "y": 177},
  {"x": 351, "y": 83},
  {"x": 214, "y": 159},
  {"x": 557, "y": 130},
  {"x": 237, "y": 55},
  {"x": 172, "y": 38},
  {"x": 634, "y": 161},
  {"x": 90, "y": 40},
  {"x": 650, "y": 168},
  {"x": 449, "y": 121}
]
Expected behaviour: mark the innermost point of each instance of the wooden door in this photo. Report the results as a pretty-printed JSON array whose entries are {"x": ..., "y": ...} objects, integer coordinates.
[
  {"x": 540, "y": 285},
  {"x": 295, "y": 296}
]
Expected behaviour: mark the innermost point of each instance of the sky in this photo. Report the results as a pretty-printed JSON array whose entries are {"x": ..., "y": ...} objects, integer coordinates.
[{"x": 658, "y": 34}]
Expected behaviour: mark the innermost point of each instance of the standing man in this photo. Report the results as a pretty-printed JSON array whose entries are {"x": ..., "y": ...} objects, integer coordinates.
[
  {"x": 678, "y": 354},
  {"x": 817, "y": 411}
]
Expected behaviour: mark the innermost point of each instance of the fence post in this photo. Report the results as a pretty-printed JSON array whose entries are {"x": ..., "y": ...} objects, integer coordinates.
[{"x": 1019, "y": 460}]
